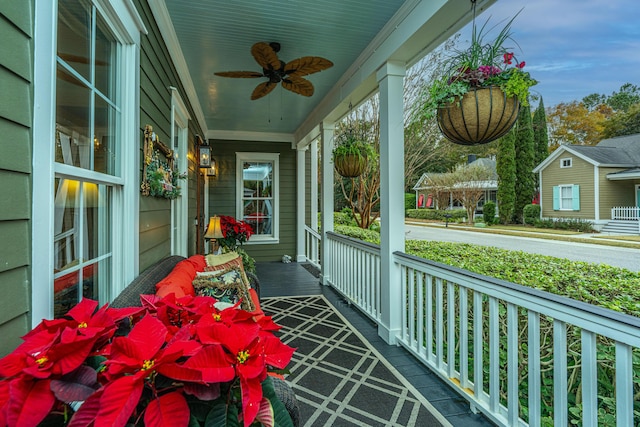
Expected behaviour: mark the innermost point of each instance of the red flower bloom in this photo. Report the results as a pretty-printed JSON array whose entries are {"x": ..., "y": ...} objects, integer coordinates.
[{"x": 508, "y": 57}]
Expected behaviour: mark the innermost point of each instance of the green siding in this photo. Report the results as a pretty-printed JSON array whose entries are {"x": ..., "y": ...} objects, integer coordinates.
[
  {"x": 580, "y": 173},
  {"x": 615, "y": 193},
  {"x": 16, "y": 71},
  {"x": 222, "y": 193},
  {"x": 157, "y": 74}
]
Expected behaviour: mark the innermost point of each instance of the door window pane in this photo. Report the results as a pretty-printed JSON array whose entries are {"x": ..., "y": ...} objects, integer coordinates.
[
  {"x": 104, "y": 147},
  {"x": 73, "y": 100},
  {"x": 105, "y": 60},
  {"x": 257, "y": 178}
]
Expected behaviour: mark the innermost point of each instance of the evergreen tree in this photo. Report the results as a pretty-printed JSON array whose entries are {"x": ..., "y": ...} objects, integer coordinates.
[
  {"x": 506, "y": 169},
  {"x": 540, "y": 137},
  {"x": 525, "y": 157}
]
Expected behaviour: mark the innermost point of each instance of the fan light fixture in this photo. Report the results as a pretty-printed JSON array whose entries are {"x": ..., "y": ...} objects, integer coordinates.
[{"x": 289, "y": 74}]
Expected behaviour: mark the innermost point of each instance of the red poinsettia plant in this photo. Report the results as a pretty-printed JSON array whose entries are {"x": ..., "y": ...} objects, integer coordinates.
[
  {"x": 171, "y": 362},
  {"x": 235, "y": 232}
]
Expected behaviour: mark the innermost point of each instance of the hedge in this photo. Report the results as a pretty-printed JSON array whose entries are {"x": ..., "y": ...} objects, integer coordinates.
[{"x": 436, "y": 215}]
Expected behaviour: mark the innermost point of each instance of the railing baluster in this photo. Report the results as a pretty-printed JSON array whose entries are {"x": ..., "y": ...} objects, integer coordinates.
[
  {"x": 478, "y": 343},
  {"x": 512, "y": 364},
  {"x": 420, "y": 310},
  {"x": 494, "y": 354},
  {"x": 411, "y": 309},
  {"x": 624, "y": 385},
  {"x": 404, "y": 284},
  {"x": 559, "y": 374},
  {"x": 589, "y": 379},
  {"x": 464, "y": 338},
  {"x": 533, "y": 329},
  {"x": 439, "y": 324},
  {"x": 429, "y": 288},
  {"x": 451, "y": 330}
]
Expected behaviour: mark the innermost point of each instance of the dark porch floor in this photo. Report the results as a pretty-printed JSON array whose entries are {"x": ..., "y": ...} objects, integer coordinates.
[{"x": 279, "y": 279}]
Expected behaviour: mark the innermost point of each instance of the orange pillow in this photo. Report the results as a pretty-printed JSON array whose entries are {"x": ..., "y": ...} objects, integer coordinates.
[
  {"x": 198, "y": 262},
  {"x": 170, "y": 288},
  {"x": 182, "y": 275}
]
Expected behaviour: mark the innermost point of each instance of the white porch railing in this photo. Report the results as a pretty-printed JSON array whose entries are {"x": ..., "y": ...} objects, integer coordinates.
[
  {"x": 312, "y": 246},
  {"x": 513, "y": 352},
  {"x": 625, "y": 213},
  {"x": 354, "y": 271}
]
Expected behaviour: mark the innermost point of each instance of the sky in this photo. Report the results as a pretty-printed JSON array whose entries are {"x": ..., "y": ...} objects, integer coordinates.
[{"x": 572, "y": 47}]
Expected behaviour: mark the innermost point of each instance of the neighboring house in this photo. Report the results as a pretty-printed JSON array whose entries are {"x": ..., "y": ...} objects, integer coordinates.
[
  {"x": 431, "y": 194},
  {"x": 594, "y": 183}
]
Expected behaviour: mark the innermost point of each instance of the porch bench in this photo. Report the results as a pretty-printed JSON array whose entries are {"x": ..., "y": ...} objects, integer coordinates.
[{"x": 145, "y": 284}]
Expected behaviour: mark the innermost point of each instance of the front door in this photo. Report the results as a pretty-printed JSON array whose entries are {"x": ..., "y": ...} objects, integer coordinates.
[{"x": 179, "y": 206}]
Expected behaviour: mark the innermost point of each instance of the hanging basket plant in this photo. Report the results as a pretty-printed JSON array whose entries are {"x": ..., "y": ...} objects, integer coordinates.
[
  {"x": 350, "y": 155},
  {"x": 478, "y": 97},
  {"x": 481, "y": 115}
]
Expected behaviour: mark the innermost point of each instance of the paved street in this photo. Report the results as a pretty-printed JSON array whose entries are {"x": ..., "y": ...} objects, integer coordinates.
[{"x": 618, "y": 257}]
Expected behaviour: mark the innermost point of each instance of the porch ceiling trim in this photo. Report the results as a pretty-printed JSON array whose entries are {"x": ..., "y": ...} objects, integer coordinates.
[
  {"x": 624, "y": 175},
  {"x": 401, "y": 40},
  {"x": 161, "y": 15},
  {"x": 238, "y": 135}
]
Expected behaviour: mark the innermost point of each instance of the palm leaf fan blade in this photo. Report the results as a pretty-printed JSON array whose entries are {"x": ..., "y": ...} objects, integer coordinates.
[
  {"x": 298, "y": 85},
  {"x": 239, "y": 74},
  {"x": 307, "y": 65},
  {"x": 265, "y": 56},
  {"x": 262, "y": 89}
]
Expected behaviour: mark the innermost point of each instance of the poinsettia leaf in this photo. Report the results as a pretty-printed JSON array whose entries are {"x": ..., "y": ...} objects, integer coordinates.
[
  {"x": 223, "y": 415},
  {"x": 76, "y": 386},
  {"x": 281, "y": 415},
  {"x": 30, "y": 402},
  {"x": 212, "y": 363},
  {"x": 88, "y": 412},
  {"x": 251, "y": 397},
  {"x": 119, "y": 399},
  {"x": 265, "y": 413},
  {"x": 169, "y": 410},
  {"x": 277, "y": 353},
  {"x": 203, "y": 392}
]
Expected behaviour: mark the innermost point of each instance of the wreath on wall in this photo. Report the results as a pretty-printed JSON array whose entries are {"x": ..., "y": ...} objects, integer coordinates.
[{"x": 159, "y": 175}]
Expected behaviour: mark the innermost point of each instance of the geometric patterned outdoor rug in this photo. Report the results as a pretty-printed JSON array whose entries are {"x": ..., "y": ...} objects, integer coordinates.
[{"x": 339, "y": 379}]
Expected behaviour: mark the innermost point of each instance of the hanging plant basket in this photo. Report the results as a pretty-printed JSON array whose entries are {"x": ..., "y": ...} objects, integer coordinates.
[
  {"x": 482, "y": 115},
  {"x": 350, "y": 165}
]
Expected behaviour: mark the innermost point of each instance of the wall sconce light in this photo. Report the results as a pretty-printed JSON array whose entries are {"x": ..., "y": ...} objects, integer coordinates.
[
  {"x": 213, "y": 170},
  {"x": 214, "y": 232},
  {"x": 204, "y": 154}
]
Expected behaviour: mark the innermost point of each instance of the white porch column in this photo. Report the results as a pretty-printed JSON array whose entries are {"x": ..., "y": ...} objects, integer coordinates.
[
  {"x": 300, "y": 204},
  {"x": 326, "y": 135},
  {"x": 313, "y": 176},
  {"x": 390, "y": 79}
]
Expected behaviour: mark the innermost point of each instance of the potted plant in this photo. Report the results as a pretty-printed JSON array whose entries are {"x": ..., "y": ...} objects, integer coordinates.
[
  {"x": 351, "y": 154},
  {"x": 478, "y": 97},
  {"x": 174, "y": 362}
]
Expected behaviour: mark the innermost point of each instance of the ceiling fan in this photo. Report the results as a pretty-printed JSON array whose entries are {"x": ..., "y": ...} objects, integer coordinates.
[{"x": 289, "y": 74}]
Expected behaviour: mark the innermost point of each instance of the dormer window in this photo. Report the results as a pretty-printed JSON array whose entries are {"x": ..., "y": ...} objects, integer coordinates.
[{"x": 565, "y": 163}]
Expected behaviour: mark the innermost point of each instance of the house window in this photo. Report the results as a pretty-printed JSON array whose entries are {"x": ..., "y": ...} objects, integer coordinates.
[
  {"x": 566, "y": 198},
  {"x": 88, "y": 184},
  {"x": 566, "y": 163},
  {"x": 258, "y": 203}
]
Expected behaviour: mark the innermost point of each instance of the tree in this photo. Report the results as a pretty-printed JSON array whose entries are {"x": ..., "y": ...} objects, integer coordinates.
[
  {"x": 623, "y": 100},
  {"x": 362, "y": 194},
  {"x": 469, "y": 183},
  {"x": 525, "y": 185},
  {"x": 574, "y": 123},
  {"x": 440, "y": 185},
  {"x": 506, "y": 169},
  {"x": 623, "y": 123},
  {"x": 540, "y": 137}
]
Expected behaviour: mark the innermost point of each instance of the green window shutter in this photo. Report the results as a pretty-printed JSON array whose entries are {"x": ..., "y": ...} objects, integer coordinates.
[
  {"x": 575, "y": 196},
  {"x": 556, "y": 198}
]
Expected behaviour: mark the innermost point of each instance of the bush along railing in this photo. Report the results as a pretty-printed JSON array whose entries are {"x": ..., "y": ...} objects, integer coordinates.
[
  {"x": 520, "y": 355},
  {"x": 354, "y": 271},
  {"x": 312, "y": 246},
  {"x": 437, "y": 215}
]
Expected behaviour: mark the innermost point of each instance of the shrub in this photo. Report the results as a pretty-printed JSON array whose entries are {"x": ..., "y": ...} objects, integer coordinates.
[
  {"x": 437, "y": 215},
  {"x": 489, "y": 213},
  {"x": 565, "y": 224},
  {"x": 409, "y": 201},
  {"x": 531, "y": 213}
]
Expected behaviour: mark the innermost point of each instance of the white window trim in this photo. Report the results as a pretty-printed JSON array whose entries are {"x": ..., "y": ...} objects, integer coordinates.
[
  {"x": 180, "y": 116},
  {"x": 560, "y": 188},
  {"x": 257, "y": 157},
  {"x": 127, "y": 25},
  {"x": 569, "y": 160}
]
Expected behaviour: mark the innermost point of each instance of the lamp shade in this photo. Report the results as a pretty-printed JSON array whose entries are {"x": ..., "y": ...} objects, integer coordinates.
[{"x": 214, "y": 230}]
